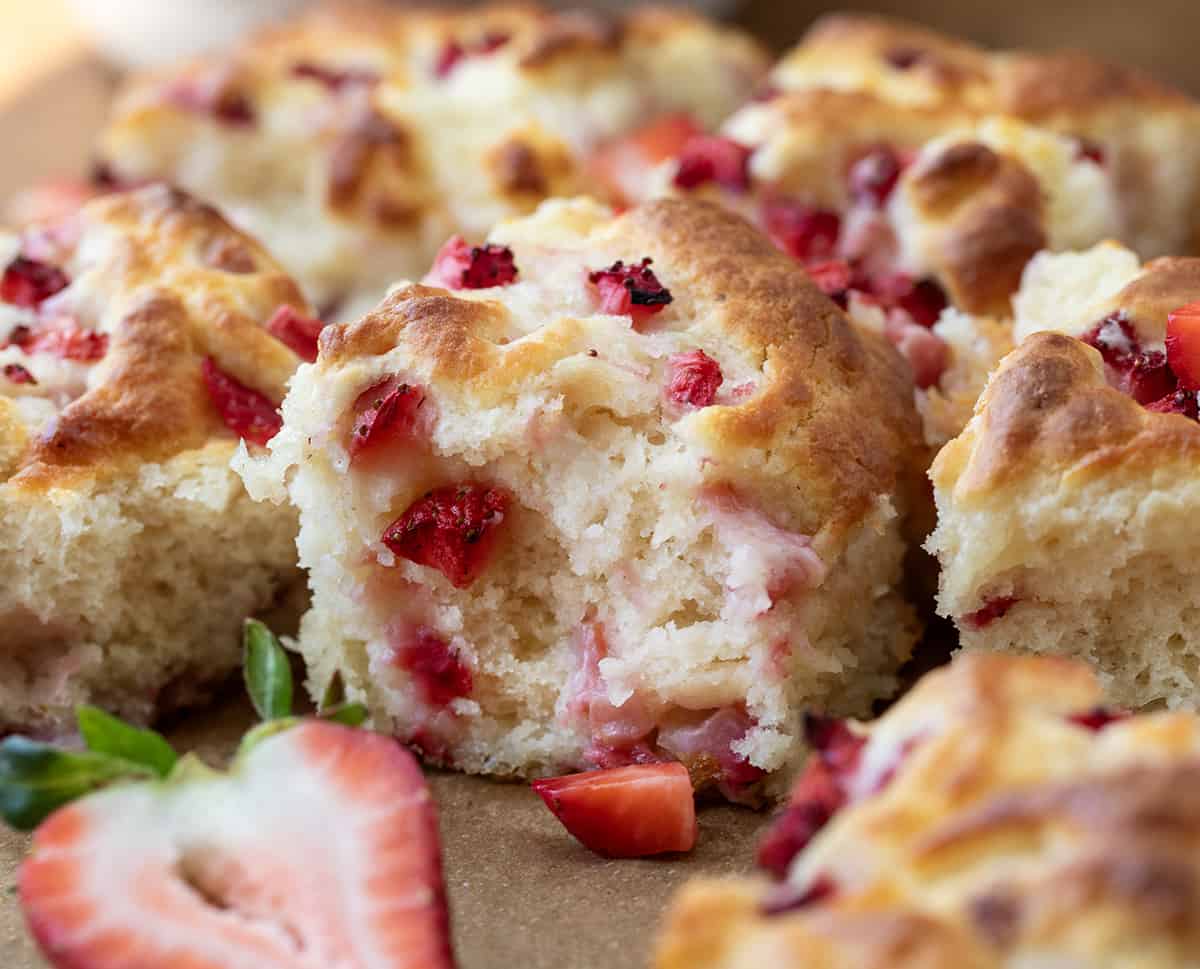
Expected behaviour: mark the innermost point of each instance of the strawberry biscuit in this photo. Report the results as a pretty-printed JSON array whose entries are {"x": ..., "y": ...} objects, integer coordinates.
[
  {"x": 133, "y": 352},
  {"x": 600, "y": 492}
]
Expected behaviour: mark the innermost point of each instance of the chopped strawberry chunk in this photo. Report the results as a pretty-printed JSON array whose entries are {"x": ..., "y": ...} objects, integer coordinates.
[
  {"x": 708, "y": 158},
  {"x": 387, "y": 412},
  {"x": 619, "y": 164},
  {"x": 67, "y": 341},
  {"x": 873, "y": 177},
  {"x": 927, "y": 353},
  {"x": 1098, "y": 718},
  {"x": 28, "y": 283},
  {"x": 460, "y": 266},
  {"x": 992, "y": 609},
  {"x": 334, "y": 78},
  {"x": 451, "y": 529},
  {"x": 245, "y": 411},
  {"x": 805, "y": 233},
  {"x": 695, "y": 378},
  {"x": 439, "y": 672},
  {"x": 835, "y": 278},
  {"x": 1183, "y": 344},
  {"x": 922, "y": 299},
  {"x": 1146, "y": 376},
  {"x": 453, "y": 53},
  {"x": 296, "y": 331},
  {"x": 1177, "y": 402},
  {"x": 1087, "y": 149},
  {"x": 626, "y": 812},
  {"x": 17, "y": 374},
  {"x": 230, "y": 871},
  {"x": 820, "y": 792},
  {"x": 631, "y": 290}
]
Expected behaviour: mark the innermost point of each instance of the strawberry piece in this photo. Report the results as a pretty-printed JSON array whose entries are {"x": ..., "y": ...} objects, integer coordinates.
[
  {"x": 385, "y": 413},
  {"x": 454, "y": 53},
  {"x": 992, "y": 609},
  {"x": 805, "y": 233},
  {"x": 451, "y": 529},
  {"x": 695, "y": 378},
  {"x": 296, "y": 331},
  {"x": 835, "y": 278},
  {"x": 68, "y": 342},
  {"x": 873, "y": 177},
  {"x": 1088, "y": 150},
  {"x": 213, "y": 97},
  {"x": 927, "y": 353},
  {"x": 460, "y": 266},
  {"x": 18, "y": 374},
  {"x": 28, "y": 283},
  {"x": 922, "y": 299},
  {"x": 631, "y": 290},
  {"x": 625, "y": 812},
  {"x": 336, "y": 79},
  {"x": 1098, "y": 718},
  {"x": 439, "y": 672},
  {"x": 1145, "y": 375},
  {"x": 246, "y": 412},
  {"x": 1177, "y": 402},
  {"x": 203, "y": 871},
  {"x": 1183, "y": 344},
  {"x": 630, "y": 158},
  {"x": 709, "y": 158}
]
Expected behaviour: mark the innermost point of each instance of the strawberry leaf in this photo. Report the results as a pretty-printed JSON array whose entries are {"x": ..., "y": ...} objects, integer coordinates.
[
  {"x": 37, "y": 779},
  {"x": 267, "y": 672},
  {"x": 347, "y": 714},
  {"x": 105, "y": 734}
]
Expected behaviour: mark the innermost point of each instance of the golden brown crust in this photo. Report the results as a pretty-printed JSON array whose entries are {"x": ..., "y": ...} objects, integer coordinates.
[
  {"x": 1005, "y": 829},
  {"x": 836, "y": 409},
  {"x": 173, "y": 283}
]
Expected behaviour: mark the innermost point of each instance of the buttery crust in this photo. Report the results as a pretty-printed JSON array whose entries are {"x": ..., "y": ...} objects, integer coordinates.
[
  {"x": 1002, "y": 830},
  {"x": 173, "y": 283}
]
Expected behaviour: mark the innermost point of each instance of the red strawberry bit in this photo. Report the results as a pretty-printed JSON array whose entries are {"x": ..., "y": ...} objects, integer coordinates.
[
  {"x": 626, "y": 812},
  {"x": 620, "y": 164},
  {"x": 296, "y": 331},
  {"x": 927, "y": 353},
  {"x": 1098, "y": 718},
  {"x": 835, "y": 278},
  {"x": 805, "y": 233},
  {"x": 439, "y": 672},
  {"x": 227, "y": 871},
  {"x": 17, "y": 374},
  {"x": 1146, "y": 376},
  {"x": 993, "y": 608},
  {"x": 452, "y": 529},
  {"x": 215, "y": 98},
  {"x": 461, "y": 266},
  {"x": 1183, "y": 344},
  {"x": 334, "y": 78},
  {"x": 1179, "y": 402},
  {"x": 246, "y": 412},
  {"x": 873, "y": 177},
  {"x": 663, "y": 138},
  {"x": 789, "y": 898},
  {"x": 453, "y": 53},
  {"x": 29, "y": 283},
  {"x": 1087, "y": 149},
  {"x": 712, "y": 739},
  {"x": 695, "y": 379},
  {"x": 69, "y": 342},
  {"x": 386, "y": 413},
  {"x": 820, "y": 792},
  {"x": 922, "y": 299},
  {"x": 709, "y": 158},
  {"x": 631, "y": 290}
]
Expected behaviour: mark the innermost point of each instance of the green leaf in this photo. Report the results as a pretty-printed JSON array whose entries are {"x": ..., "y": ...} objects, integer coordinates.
[
  {"x": 105, "y": 734},
  {"x": 267, "y": 671},
  {"x": 37, "y": 779},
  {"x": 347, "y": 714}
]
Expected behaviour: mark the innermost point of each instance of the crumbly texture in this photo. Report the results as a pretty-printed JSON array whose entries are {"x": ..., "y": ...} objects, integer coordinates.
[
  {"x": 664, "y": 574},
  {"x": 986, "y": 828},
  {"x": 132, "y": 552},
  {"x": 1073, "y": 501},
  {"x": 353, "y": 142}
]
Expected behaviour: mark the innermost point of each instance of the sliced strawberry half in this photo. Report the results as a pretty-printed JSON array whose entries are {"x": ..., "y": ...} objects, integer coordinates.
[
  {"x": 244, "y": 410},
  {"x": 385, "y": 413},
  {"x": 296, "y": 331},
  {"x": 320, "y": 848},
  {"x": 626, "y": 812},
  {"x": 1183, "y": 344}
]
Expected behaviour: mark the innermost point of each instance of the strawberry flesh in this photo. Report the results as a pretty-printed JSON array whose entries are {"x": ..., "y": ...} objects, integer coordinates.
[
  {"x": 873, "y": 177},
  {"x": 708, "y": 158},
  {"x": 385, "y": 413},
  {"x": 205, "y": 872},
  {"x": 625, "y": 812},
  {"x": 296, "y": 331},
  {"x": 631, "y": 290},
  {"x": 452, "y": 529},
  {"x": 1180, "y": 402},
  {"x": 439, "y": 672},
  {"x": 17, "y": 374},
  {"x": 805, "y": 233},
  {"x": 1145, "y": 375},
  {"x": 246, "y": 412},
  {"x": 454, "y": 53},
  {"x": 835, "y": 278},
  {"x": 63, "y": 340},
  {"x": 1183, "y": 344},
  {"x": 461, "y": 266},
  {"x": 992, "y": 609},
  {"x": 695, "y": 379},
  {"x": 28, "y": 283},
  {"x": 1098, "y": 718}
]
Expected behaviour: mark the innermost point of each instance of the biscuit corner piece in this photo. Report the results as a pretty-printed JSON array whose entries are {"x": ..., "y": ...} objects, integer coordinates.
[
  {"x": 132, "y": 342},
  {"x": 998, "y": 816},
  {"x": 1067, "y": 508},
  {"x": 605, "y": 490}
]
